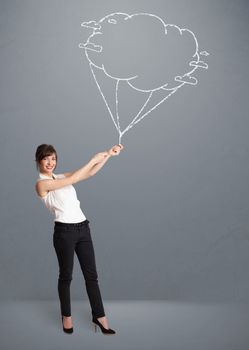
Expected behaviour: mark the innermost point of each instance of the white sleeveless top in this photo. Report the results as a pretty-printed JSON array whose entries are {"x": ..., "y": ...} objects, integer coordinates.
[{"x": 63, "y": 202}]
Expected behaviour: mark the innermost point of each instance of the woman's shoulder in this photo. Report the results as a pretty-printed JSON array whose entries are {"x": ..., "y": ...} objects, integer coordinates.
[{"x": 43, "y": 177}]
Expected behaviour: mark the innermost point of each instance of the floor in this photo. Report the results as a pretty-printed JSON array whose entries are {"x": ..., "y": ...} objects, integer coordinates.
[{"x": 151, "y": 325}]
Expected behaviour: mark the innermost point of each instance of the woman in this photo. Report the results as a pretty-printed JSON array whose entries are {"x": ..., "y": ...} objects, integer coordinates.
[{"x": 71, "y": 229}]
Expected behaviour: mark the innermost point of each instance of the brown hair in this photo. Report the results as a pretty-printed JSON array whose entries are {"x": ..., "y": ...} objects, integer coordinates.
[{"x": 43, "y": 151}]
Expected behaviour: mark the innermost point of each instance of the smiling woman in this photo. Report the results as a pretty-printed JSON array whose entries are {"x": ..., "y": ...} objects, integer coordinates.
[
  {"x": 43, "y": 154},
  {"x": 71, "y": 229}
]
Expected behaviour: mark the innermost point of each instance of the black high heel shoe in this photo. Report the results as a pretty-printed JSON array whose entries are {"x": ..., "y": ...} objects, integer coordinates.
[
  {"x": 103, "y": 329},
  {"x": 66, "y": 330}
]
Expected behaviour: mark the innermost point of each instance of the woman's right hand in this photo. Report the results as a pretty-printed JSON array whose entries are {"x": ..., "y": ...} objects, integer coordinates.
[
  {"x": 101, "y": 156},
  {"x": 115, "y": 150}
]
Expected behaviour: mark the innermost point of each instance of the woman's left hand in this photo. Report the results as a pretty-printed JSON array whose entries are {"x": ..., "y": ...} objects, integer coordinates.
[{"x": 115, "y": 150}]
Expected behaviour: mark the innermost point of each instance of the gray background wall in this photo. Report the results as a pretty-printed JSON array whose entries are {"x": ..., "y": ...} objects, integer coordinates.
[{"x": 169, "y": 217}]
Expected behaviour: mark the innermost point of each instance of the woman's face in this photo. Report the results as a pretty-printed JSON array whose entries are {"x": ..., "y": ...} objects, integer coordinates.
[{"x": 48, "y": 164}]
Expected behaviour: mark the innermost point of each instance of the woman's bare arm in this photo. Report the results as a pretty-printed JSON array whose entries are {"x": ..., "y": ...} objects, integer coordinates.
[
  {"x": 68, "y": 174},
  {"x": 88, "y": 170},
  {"x": 43, "y": 186}
]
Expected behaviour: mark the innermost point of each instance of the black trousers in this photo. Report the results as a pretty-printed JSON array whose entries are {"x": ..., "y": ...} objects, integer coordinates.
[{"x": 67, "y": 239}]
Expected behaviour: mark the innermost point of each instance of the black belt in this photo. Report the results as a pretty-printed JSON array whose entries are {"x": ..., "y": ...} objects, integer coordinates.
[{"x": 65, "y": 224}]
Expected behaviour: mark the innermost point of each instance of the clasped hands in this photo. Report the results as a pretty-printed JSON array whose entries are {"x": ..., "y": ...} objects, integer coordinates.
[{"x": 114, "y": 151}]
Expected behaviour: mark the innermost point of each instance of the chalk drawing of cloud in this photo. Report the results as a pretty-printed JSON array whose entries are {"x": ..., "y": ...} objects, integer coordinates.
[
  {"x": 147, "y": 61},
  {"x": 144, "y": 52}
]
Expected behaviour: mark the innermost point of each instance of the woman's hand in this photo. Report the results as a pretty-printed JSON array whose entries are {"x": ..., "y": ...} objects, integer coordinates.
[{"x": 115, "y": 150}]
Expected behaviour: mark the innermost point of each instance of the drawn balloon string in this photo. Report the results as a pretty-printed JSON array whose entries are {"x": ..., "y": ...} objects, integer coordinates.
[{"x": 120, "y": 49}]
